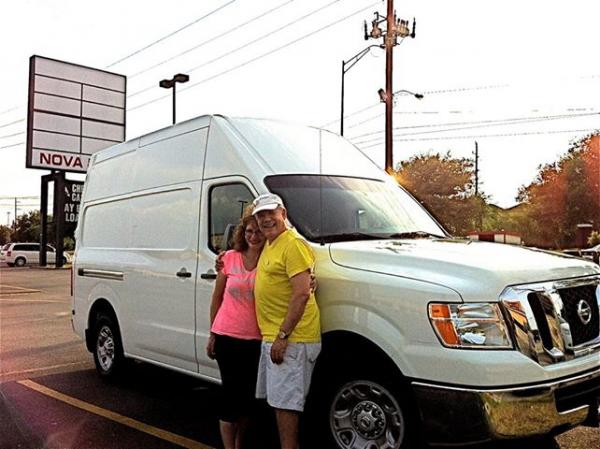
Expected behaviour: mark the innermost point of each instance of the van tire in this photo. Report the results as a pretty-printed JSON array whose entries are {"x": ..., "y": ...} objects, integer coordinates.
[
  {"x": 20, "y": 262},
  {"x": 354, "y": 409},
  {"x": 107, "y": 347}
]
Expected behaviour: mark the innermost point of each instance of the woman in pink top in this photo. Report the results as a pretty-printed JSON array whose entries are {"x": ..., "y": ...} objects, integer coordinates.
[{"x": 235, "y": 338}]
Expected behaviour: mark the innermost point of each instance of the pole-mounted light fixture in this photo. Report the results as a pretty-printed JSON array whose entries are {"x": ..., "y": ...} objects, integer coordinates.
[
  {"x": 168, "y": 84},
  {"x": 383, "y": 94}
]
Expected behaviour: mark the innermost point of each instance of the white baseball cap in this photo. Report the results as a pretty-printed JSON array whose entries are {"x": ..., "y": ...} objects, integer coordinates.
[{"x": 266, "y": 201}]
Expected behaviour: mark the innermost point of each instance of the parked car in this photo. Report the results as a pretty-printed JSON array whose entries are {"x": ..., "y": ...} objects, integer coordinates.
[
  {"x": 456, "y": 340},
  {"x": 26, "y": 253},
  {"x": 592, "y": 253}
]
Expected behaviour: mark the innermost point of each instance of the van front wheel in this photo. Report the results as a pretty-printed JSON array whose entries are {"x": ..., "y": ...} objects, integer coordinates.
[
  {"x": 366, "y": 414},
  {"x": 108, "y": 349}
]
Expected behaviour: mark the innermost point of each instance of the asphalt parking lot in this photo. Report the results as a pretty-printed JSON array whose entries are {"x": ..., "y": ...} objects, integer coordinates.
[{"x": 51, "y": 397}]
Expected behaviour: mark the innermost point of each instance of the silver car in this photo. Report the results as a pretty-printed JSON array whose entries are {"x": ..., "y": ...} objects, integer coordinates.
[{"x": 21, "y": 254}]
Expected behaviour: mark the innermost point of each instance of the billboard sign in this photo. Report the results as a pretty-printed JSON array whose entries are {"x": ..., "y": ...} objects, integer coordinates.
[
  {"x": 73, "y": 191},
  {"x": 74, "y": 111}
]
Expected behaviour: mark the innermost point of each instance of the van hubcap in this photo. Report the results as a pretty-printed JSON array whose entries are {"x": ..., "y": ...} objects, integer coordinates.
[
  {"x": 365, "y": 415},
  {"x": 105, "y": 348},
  {"x": 368, "y": 419}
]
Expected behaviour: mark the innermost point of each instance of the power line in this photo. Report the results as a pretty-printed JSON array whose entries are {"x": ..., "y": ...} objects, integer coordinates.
[
  {"x": 12, "y": 135},
  {"x": 476, "y": 124},
  {"x": 171, "y": 33},
  {"x": 483, "y": 136},
  {"x": 428, "y": 92},
  {"x": 247, "y": 44},
  {"x": 19, "y": 197},
  {"x": 12, "y": 123},
  {"x": 195, "y": 47},
  {"x": 6, "y": 111},
  {"x": 258, "y": 57},
  {"x": 13, "y": 145}
]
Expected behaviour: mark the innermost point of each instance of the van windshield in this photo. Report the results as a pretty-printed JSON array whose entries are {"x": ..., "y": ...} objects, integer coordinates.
[{"x": 336, "y": 208}]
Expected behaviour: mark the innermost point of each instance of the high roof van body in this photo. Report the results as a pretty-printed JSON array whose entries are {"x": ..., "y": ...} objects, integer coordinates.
[{"x": 424, "y": 335}]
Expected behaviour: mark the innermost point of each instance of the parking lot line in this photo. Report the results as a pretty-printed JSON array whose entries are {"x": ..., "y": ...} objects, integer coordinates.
[
  {"x": 124, "y": 420},
  {"x": 43, "y": 368},
  {"x": 15, "y": 290}
]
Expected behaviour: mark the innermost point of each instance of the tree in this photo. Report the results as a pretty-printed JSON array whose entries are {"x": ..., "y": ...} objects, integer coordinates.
[
  {"x": 594, "y": 238},
  {"x": 5, "y": 233},
  {"x": 563, "y": 195},
  {"x": 444, "y": 185},
  {"x": 28, "y": 227}
]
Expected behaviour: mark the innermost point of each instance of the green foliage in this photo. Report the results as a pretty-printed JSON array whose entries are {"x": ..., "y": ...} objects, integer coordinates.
[
  {"x": 28, "y": 227},
  {"x": 444, "y": 185},
  {"x": 563, "y": 195},
  {"x": 5, "y": 233},
  {"x": 68, "y": 244}
]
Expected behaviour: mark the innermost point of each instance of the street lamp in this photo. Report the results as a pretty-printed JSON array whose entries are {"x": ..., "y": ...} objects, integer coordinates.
[
  {"x": 168, "y": 84},
  {"x": 347, "y": 65},
  {"x": 383, "y": 95}
]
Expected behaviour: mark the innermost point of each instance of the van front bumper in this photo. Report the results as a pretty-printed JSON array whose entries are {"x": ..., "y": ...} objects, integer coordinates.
[{"x": 456, "y": 415}]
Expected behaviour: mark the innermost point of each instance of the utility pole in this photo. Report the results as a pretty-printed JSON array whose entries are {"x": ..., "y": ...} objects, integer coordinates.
[
  {"x": 390, "y": 40},
  {"x": 476, "y": 168},
  {"x": 394, "y": 28},
  {"x": 15, "y": 221}
]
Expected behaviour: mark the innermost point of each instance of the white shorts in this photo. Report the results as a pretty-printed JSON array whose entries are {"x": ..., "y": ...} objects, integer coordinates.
[{"x": 285, "y": 386}]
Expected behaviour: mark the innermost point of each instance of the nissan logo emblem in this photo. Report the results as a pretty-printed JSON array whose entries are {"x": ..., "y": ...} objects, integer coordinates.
[{"x": 584, "y": 311}]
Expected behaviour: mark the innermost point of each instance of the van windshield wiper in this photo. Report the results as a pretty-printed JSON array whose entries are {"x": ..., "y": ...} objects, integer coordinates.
[
  {"x": 414, "y": 235},
  {"x": 349, "y": 236}
]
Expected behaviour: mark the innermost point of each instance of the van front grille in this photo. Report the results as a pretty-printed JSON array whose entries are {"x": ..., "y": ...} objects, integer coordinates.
[
  {"x": 555, "y": 321},
  {"x": 580, "y": 310}
]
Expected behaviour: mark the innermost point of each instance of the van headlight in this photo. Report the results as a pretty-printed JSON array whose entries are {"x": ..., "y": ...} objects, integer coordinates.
[{"x": 472, "y": 325}]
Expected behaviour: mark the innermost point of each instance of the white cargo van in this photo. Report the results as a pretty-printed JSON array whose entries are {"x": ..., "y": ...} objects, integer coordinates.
[{"x": 423, "y": 334}]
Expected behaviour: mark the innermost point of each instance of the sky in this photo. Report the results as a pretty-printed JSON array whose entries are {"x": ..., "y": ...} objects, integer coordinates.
[{"x": 519, "y": 77}]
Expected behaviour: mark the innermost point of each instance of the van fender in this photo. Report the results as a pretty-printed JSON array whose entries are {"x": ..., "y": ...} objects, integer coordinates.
[
  {"x": 347, "y": 322},
  {"x": 103, "y": 298}
]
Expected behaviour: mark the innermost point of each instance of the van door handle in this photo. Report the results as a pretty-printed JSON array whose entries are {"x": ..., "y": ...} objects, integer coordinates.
[
  {"x": 183, "y": 273},
  {"x": 209, "y": 275}
]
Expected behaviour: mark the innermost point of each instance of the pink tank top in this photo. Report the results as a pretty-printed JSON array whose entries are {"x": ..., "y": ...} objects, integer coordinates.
[{"x": 237, "y": 317}]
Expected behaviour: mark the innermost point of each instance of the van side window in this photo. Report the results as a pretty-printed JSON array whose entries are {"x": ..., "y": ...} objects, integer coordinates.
[{"x": 227, "y": 203}]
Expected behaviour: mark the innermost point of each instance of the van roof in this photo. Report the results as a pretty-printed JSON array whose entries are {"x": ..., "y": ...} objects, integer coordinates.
[{"x": 219, "y": 146}]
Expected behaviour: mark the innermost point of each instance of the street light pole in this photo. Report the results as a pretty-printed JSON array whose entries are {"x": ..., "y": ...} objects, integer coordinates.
[
  {"x": 342, "y": 98},
  {"x": 350, "y": 63},
  {"x": 170, "y": 84}
]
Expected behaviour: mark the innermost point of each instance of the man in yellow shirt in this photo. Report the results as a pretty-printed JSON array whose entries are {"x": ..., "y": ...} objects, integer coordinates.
[{"x": 287, "y": 315}]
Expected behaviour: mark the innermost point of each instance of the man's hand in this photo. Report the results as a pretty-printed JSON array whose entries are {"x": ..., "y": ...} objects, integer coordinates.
[
  {"x": 219, "y": 262},
  {"x": 278, "y": 350},
  {"x": 313, "y": 282}
]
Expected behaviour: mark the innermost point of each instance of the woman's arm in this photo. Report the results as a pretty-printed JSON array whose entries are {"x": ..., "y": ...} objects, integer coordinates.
[
  {"x": 217, "y": 300},
  {"x": 217, "y": 296}
]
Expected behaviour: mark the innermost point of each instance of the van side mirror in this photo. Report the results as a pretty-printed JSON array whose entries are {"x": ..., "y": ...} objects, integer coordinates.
[{"x": 228, "y": 236}]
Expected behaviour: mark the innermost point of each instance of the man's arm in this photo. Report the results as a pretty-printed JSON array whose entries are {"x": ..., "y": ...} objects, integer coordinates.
[{"x": 300, "y": 295}]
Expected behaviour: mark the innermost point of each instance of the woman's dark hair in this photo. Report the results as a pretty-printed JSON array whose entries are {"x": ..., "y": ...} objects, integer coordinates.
[{"x": 239, "y": 238}]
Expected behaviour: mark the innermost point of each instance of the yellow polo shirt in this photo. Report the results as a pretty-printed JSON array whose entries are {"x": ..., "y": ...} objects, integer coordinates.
[{"x": 288, "y": 255}]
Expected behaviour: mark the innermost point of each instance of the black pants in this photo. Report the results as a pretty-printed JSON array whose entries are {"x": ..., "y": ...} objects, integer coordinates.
[{"x": 238, "y": 363}]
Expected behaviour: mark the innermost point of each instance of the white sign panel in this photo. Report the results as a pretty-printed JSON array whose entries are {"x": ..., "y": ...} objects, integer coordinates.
[{"x": 74, "y": 111}]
